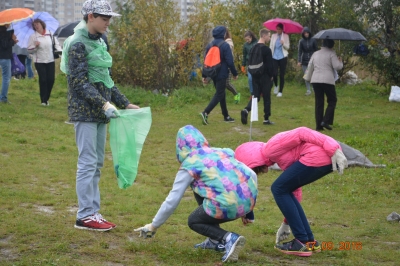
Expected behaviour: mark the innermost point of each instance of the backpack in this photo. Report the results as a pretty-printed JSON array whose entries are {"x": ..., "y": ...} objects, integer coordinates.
[
  {"x": 212, "y": 61},
  {"x": 361, "y": 49},
  {"x": 256, "y": 65}
]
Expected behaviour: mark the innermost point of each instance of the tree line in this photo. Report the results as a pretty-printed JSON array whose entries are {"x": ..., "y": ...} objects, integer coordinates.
[{"x": 154, "y": 49}]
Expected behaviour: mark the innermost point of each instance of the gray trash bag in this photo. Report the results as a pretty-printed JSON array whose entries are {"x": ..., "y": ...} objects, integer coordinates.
[
  {"x": 394, "y": 216},
  {"x": 356, "y": 158}
]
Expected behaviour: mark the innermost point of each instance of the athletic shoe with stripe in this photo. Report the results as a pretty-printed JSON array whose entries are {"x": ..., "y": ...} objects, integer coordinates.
[
  {"x": 294, "y": 247},
  {"x": 93, "y": 223},
  {"x": 233, "y": 247},
  {"x": 208, "y": 244}
]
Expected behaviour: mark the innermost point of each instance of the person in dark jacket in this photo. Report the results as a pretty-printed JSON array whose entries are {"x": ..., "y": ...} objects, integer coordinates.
[
  {"x": 220, "y": 81},
  {"x": 86, "y": 61},
  {"x": 307, "y": 46},
  {"x": 7, "y": 41},
  {"x": 262, "y": 84},
  {"x": 251, "y": 40}
]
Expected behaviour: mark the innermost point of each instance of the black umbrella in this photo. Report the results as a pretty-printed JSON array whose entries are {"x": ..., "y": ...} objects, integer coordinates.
[
  {"x": 340, "y": 34},
  {"x": 66, "y": 30}
]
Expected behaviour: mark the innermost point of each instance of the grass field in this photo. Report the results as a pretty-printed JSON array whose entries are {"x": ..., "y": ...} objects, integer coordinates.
[{"x": 37, "y": 182}]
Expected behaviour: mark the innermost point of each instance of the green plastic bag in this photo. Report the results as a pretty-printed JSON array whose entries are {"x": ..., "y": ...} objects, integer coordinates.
[{"x": 127, "y": 135}]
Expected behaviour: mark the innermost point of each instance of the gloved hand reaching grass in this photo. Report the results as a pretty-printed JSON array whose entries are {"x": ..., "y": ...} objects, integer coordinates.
[{"x": 146, "y": 231}]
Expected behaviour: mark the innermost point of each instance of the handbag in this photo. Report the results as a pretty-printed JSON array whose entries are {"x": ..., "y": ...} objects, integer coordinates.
[
  {"x": 16, "y": 66},
  {"x": 55, "y": 53}
]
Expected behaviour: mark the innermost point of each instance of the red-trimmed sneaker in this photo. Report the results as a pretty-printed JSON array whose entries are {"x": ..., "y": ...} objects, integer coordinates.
[
  {"x": 100, "y": 217},
  {"x": 92, "y": 223}
]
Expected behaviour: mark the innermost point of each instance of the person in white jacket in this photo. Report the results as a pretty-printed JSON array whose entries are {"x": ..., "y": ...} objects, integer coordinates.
[
  {"x": 279, "y": 45},
  {"x": 40, "y": 45}
]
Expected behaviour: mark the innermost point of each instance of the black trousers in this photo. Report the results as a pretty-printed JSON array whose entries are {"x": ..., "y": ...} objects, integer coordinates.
[
  {"x": 46, "y": 73},
  {"x": 281, "y": 65},
  {"x": 219, "y": 97},
  {"x": 262, "y": 85},
  {"x": 203, "y": 224},
  {"x": 321, "y": 89},
  {"x": 22, "y": 59}
]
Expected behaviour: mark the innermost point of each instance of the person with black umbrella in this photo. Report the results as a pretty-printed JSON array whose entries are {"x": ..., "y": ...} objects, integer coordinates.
[{"x": 322, "y": 75}]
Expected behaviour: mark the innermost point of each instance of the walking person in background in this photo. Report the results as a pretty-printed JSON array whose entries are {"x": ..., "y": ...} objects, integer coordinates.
[
  {"x": 307, "y": 46},
  {"x": 323, "y": 66},
  {"x": 262, "y": 83},
  {"x": 7, "y": 41},
  {"x": 279, "y": 45},
  {"x": 220, "y": 80},
  {"x": 40, "y": 44},
  {"x": 229, "y": 86},
  {"x": 251, "y": 40}
]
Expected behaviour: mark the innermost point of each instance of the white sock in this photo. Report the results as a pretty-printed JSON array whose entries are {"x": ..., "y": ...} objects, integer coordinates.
[{"x": 228, "y": 237}]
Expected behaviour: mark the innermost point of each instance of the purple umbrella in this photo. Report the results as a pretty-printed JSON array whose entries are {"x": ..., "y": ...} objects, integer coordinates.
[{"x": 24, "y": 28}]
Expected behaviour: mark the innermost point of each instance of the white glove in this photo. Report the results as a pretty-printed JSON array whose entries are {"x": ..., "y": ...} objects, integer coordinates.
[
  {"x": 110, "y": 111},
  {"x": 283, "y": 233},
  {"x": 146, "y": 231},
  {"x": 340, "y": 160}
]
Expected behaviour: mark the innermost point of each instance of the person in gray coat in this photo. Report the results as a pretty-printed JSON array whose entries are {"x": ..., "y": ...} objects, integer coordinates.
[{"x": 323, "y": 65}]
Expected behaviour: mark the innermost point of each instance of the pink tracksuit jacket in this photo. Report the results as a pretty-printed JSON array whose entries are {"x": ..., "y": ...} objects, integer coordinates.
[{"x": 302, "y": 144}]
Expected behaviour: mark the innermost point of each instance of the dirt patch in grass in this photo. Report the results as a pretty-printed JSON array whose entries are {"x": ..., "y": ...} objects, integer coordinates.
[{"x": 44, "y": 209}]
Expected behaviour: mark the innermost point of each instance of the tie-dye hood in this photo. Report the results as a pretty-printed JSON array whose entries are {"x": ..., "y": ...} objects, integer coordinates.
[
  {"x": 226, "y": 184},
  {"x": 188, "y": 140}
]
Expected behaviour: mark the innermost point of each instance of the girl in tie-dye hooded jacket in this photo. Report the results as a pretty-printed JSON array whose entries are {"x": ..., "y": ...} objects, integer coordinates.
[{"x": 224, "y": 188}]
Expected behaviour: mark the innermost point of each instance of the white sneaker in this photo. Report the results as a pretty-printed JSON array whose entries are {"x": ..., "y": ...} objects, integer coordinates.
[
  {"x": 308, "y": 93},
  {"x": 279, "y": 94},
  {"x": 276, "y": 90},
  {"x": 48, "y": 103},
  {"x": 44, "y": 104}
]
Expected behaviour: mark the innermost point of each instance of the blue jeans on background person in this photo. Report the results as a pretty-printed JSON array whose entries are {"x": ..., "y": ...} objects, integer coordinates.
[
  {"x": 28, "y": 64},
  {"x": 5, "y": 65},
  {"x": 297, "y": 175}
]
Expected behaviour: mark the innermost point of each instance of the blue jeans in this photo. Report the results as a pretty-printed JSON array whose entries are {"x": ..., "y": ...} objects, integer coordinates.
[
  {"x": 91, "y": 140},
  {"x": 297, "y": 175},
  {"x": 5, "y": 65},
  {"x": 28, "y": 64}
]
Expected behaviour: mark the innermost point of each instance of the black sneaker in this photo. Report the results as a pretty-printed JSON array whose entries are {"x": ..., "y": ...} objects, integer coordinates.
[
  {"x": 268, "y": 122},
  {"x": 294, "y": 247},
  {"x": 229, "y": 119},
  {"x": 204, "y": 118},
  {"x": 244, "y": 114}
]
